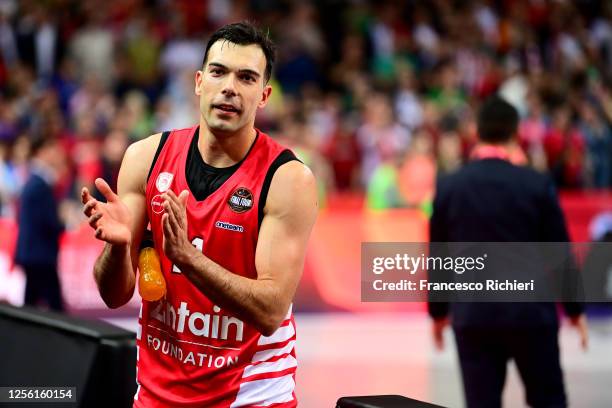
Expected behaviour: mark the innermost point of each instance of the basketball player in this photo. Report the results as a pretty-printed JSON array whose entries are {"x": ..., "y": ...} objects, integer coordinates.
[{"x": 231, "y": 212}]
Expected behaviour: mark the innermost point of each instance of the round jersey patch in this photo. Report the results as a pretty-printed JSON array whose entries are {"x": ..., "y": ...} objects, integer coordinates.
[
  {"x": 241, "y": 200},
  {"x": 163, "y": 181},
  {"x": 157, "y": 204}
]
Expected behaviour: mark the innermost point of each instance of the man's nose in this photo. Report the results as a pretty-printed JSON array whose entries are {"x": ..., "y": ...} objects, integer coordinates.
[{"x": 229, "y": 87}]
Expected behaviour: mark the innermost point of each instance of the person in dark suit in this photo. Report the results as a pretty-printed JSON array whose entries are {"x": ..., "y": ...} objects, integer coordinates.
[
  {"x": 492, "y": 199},
  {"x": 38, "y": 41},
  {"x": 40, "y": 225}
]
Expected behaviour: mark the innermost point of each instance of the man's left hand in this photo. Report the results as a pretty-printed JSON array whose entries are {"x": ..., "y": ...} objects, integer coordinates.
[
  {"x": 176, "y": 243},
  {"x": 580, "y": 323},
  {"x": 438, "y": 326}
]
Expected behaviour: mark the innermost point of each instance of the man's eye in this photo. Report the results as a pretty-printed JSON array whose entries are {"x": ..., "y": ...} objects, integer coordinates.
[
  {"x": 216, "y": 71},
  {"x": 248, "y": 78}
]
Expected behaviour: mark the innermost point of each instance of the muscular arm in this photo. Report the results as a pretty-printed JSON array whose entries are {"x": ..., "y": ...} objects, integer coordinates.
[
  {"x": 289, "y": 215},
  {"x": 120, "y": 223}
]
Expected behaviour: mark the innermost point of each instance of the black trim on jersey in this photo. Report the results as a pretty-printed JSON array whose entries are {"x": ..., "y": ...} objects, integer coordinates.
[
  {"x": 204, "y": 179},
  {"x": 162, "y": 142},
  {"x": 284, "y": 157}
]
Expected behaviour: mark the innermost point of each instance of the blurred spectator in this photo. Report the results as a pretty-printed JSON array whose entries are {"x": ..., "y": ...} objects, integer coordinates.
[
  {"x": 564, "y": 147},
  {"x": 134, "y": 116},
  {"x": 112, "y": 153},
  {"x": 141, "y": 48},
  {"x": 380, "y": 137},
  {"x": 407, "y": 103},
  {"x": 37, "y": 39},
  {"x": 302, "y": 49},
  {"x": 598, "y": 139},
  {"x": 8, "y": 183},
  {"x": 352, "y": 62},
  {"x": 425, "y": 36},
  {"x": 532, "y": 131},
  {"x": 40, "y": 225},
  {"x": 8, "y": 121},
  {"x": 86, "y": 151},
  {"x": 598, "y": 263},
  {"x": 449, "y": 146},
  {"x": 8, "y": 42},
  {"x": 417, "y": 174},
  {"x": 181, "y": 56},
  {"x": 515, "y": 88},
  {"x": 383, "y": 188},
  {"x": 94, "y": 100},
  {"x": 19, "y": 160},
  {"x": 296, "y": 135},
  {"x": 446, "y": 94},
  {"x": 344, "y": 155},
  {"x": 92, "y": 46}
]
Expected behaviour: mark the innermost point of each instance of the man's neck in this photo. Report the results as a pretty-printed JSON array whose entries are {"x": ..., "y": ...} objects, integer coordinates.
[
  {"x": 43, "y": 170},
  {"x": 223, "y": 149},
  {"x": 503, "y": 145},
  {"x": 509, "y": 151}
]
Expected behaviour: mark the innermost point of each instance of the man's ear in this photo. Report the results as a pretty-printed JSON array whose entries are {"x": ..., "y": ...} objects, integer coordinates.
[
  {"x": 265, "y": 95},
  {"x": 199, "y": 77}
]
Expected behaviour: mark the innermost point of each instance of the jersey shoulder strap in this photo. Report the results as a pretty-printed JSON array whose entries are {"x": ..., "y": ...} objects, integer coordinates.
[
  {"x": 162, "y": 142},
  {"x": 285, "y": 156}
]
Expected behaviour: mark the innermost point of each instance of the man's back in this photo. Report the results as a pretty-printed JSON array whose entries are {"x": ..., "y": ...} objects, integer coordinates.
[{"x": 492, "y": 200}]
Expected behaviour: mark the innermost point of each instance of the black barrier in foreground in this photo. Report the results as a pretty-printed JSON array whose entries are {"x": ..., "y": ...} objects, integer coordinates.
[
  {"x": 382, "y": 401},
  {"x": 45, "y": 349}
]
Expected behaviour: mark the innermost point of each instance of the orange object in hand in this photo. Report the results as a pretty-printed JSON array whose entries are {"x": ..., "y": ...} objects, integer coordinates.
[{"x": 151, "y": 283}]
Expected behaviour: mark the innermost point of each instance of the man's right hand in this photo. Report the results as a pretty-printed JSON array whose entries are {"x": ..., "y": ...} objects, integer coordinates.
[{"x": 111, "y": 221}]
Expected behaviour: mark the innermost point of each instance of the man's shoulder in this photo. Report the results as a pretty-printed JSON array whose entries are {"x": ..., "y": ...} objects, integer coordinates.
[
  {"x": 144, "y": 146},
  {"x": 35, "y": 184},
  {"x": 292, "y": 182},
  {"x": 527, "y": 177},
  {"x": 137, "y": 161},
  {"x": 497, "y": 169},
  {"x": 293, "y": 173}
]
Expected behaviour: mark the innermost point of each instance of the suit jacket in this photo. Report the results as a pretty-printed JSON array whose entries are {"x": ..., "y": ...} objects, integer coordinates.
[
  {"x": 492, "y": 200},
  {"x": 39, "y": 224}
]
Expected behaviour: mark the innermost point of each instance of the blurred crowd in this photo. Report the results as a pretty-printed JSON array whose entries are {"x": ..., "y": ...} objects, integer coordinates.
[{"x": 376, "y": 96}]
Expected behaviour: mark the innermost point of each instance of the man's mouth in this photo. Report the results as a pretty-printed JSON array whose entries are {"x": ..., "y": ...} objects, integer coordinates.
[{"x": 227, "y": 108}]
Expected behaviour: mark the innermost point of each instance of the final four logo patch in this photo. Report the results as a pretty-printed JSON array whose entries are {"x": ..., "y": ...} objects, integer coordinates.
[{"x": 241, "y": 200}]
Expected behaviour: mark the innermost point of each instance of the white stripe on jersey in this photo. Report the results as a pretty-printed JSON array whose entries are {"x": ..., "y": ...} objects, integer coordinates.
[
  {"x": 265, "y": 392},
  {"x": 137, "y": 383},
  {"x": 267, "y": 354},
  {"x": 268, "y": 391},
  {"x": 281, "y": 334},
  {"x": 270, "y": 366}
]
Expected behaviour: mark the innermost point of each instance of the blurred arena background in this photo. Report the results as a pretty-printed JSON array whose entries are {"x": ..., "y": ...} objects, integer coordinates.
[{"x": 377, "y": 97}]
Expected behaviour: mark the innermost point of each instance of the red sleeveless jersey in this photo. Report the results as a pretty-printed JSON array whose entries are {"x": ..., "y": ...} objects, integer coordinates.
[{"x": 192, "y": 353}]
